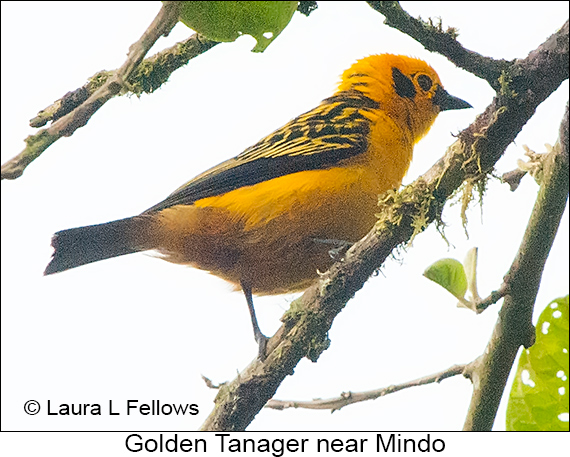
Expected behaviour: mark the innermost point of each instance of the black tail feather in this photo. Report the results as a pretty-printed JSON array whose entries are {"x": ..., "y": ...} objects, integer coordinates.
[{"x": 83, "y": 245}]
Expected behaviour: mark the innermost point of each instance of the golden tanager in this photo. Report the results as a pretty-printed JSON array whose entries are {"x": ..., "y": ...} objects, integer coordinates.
[{"x": 265, "y": 219}]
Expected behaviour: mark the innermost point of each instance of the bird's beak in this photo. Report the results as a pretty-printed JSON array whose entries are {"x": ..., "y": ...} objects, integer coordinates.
[{"x": 445, "y": 101}]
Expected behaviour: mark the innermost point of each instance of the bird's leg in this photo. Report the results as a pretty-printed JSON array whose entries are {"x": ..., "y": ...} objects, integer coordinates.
[
  {"x": 260, "y": 338},
  {"x": 341, "y": 246}
]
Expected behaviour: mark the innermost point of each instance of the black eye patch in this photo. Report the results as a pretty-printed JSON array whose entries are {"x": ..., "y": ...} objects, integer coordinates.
[
  {"x": 425, "y": 82},
  {"x": 403, "y": 85}
]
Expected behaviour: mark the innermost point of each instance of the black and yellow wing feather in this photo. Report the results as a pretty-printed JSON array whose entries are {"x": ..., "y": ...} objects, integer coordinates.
[{"x": 333, "y": 131}]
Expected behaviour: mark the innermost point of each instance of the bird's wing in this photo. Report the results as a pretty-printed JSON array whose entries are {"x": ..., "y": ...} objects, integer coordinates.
[{"x": 335, "y": 130}]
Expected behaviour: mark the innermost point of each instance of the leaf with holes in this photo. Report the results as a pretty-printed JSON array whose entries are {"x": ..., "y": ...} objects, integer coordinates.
[
  {"x": 226, "y": 21},
  {"x": 539, "y": 396}
]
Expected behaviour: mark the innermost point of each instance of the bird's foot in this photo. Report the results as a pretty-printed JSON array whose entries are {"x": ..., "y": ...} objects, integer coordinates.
[
  {"x": 340, "y": 247},
  {"x": 261, "y": 340}
]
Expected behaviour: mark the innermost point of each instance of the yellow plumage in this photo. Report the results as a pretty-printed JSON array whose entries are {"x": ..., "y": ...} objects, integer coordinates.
[{"x": 259, "y": 220}]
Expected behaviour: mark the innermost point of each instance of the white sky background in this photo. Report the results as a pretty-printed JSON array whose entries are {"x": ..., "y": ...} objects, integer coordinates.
[{"x": 138, "y": 328}]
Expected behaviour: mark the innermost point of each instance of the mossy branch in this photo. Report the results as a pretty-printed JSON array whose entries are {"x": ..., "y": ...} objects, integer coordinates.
[
  {"x": 151, "y": 74},
  {"x": 86, "y": 101},
  {"x": 433, "y": 37}
]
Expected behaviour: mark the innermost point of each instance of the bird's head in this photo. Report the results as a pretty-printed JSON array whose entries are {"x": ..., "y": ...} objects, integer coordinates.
[{"x": 407, "y": 89}]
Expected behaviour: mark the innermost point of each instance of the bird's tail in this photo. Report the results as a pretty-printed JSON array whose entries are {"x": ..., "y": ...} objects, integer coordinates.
[{"x": 83, "y": 245}]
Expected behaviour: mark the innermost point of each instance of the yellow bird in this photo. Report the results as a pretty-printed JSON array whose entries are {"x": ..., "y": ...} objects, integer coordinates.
[{"x": 266, "y": 219}]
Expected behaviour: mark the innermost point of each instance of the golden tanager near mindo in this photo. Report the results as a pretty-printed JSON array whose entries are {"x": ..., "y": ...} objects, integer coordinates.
[{"x": 266, "y": 220}]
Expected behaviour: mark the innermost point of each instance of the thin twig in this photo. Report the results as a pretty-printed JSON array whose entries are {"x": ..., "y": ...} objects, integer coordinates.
[
  {"x": 349, "y": 398},
  {"x": 493, "y": 298},
  {"x": 513, "y": 178},
  {"x": 65, "y": 126},
  {"x": 210, "y": 384},
  {"x": 533, "y": 166}
]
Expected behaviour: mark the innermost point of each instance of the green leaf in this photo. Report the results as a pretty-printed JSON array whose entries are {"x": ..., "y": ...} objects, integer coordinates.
[
  {"x": 539, "y": 396},
  {"x": 448, "y": 273},
  {"x": 226, "y": 21}
]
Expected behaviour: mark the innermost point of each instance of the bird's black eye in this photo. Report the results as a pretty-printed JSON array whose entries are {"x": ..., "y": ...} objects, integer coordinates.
[{"x": 425, "y": 82}]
